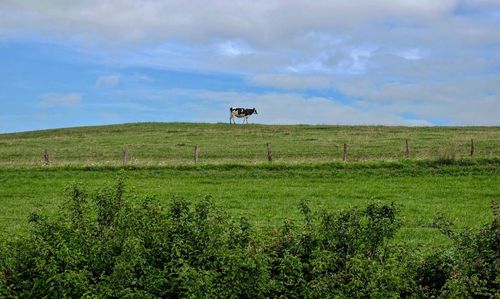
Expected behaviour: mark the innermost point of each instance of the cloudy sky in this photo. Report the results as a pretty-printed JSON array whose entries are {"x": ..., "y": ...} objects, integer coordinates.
[{"x": 390, "y": 62}]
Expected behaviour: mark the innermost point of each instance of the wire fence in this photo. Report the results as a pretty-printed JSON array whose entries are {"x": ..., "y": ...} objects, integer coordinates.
[{"x": 267, "y": 152}]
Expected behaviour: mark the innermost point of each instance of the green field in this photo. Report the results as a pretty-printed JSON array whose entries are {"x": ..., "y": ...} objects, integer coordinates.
[
  {"x": 172, "y": 144},
  {"x": 439, "y": 176}
]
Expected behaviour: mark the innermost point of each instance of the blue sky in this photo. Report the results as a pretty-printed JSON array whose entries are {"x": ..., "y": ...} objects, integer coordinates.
[{"x": 408, "y": 62}]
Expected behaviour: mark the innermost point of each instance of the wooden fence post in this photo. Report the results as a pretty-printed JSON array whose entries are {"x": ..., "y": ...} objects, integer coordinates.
[
  {"x": 125, "y": 156},
  {"x": 269, "y": 152},
  {"x": 196, "y": 154},
  {"x": 471, "y": 147},
  {"x": 46, "y": 160},
  {"x": 407, "y": 149},
  {"x": 344, "y": 156}
]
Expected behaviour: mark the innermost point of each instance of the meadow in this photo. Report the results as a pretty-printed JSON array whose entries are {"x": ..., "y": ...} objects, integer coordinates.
[
  {"x": 173, "y": 143},
  {"x": 439, "y": 176}
]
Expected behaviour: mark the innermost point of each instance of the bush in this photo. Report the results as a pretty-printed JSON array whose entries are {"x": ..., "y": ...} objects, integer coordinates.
[
  {"x": 343, "y": 255},
  {"x": 102, "y": 245},
  {"x": 472, "y": 269}
]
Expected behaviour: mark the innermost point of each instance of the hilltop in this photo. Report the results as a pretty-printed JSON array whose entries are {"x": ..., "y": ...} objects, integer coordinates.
[{"x": 173, "y": 143}]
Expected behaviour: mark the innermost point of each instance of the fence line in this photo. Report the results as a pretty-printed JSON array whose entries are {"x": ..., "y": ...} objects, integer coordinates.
[{"x": 47, "y": 160}]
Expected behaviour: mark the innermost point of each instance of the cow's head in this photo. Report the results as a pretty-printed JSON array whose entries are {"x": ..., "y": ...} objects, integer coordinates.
[{"x": 254, "y": 111}]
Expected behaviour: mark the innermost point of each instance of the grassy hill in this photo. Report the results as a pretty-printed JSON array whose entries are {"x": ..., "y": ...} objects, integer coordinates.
[
  {"x": 173, "y": 143},
  {"x": 233, "y": 170}
]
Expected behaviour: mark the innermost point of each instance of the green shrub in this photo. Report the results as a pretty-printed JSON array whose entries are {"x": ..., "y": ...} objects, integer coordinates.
[
  {"x": 102, "y": 245},
  {"x": 345, "y": 255},
  {"x": 470, "y": 269}
]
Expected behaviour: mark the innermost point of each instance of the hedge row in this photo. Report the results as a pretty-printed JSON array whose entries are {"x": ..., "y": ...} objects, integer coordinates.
[{"x": 102, "y": 245}]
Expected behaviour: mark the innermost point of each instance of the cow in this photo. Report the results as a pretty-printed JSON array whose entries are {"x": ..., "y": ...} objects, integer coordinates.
[{"x": 240, "y": 113}]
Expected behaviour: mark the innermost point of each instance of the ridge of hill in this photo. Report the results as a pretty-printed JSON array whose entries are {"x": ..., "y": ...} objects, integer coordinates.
[{"x": 173, "y": 144}]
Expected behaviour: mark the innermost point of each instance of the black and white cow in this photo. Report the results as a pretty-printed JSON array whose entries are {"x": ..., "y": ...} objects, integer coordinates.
[{"x": 240, "y": 113}]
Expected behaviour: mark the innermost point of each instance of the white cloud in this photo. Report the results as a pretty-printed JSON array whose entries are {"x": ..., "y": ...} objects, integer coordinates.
[
  {"x": 470, "y": 101},
  {"x": 286, "y": 81},
  {"x": 66, "y": 100},
  {"x": 107, "y": 81},
  {"x": 325, "y": 36},
  {"x": 387, "y": 106},
  {"x": 284, "y": 108},
  {"x": 233, "y": 48},
  {"x": 257, "y": 21},
  {"x": 410, "y": 54},
  {"x": 432, "y": 59}
]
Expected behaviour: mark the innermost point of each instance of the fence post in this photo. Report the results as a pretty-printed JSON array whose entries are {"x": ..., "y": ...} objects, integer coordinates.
[
  {"x": 196, "y": 154},
  {"x": 46, "y": 160},
  {"x": 125, "y": 155},
  {"x": 269, "y": 152},
  {"x": 344, "y": 156},
  {"x": 471, "y": 147},
  {"x": 407, "y": 149}
]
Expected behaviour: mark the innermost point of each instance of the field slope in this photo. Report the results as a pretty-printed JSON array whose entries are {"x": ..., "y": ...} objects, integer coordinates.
[
  {"x": 172, "y": 143},
  {"x": 439, "y": 176}
]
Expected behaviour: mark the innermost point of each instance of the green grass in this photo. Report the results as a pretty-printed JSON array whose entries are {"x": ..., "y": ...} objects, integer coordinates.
[
  {"x": 462, "y": 190},
  {"x": 438, "y": 177},
  {"x": 173, "y": 143}
]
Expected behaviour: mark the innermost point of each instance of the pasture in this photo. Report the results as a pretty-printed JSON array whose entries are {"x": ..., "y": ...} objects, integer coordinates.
[
  {"x": 439, "y": 176},
  {"x": 173, "y": 143}
]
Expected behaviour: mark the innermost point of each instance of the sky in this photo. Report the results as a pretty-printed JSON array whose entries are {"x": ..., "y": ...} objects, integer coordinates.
[{"x": 360, "y": 62}]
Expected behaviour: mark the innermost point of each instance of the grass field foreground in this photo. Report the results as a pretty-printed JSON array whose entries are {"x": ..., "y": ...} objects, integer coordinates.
[{"x": 268, "y": 194}]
